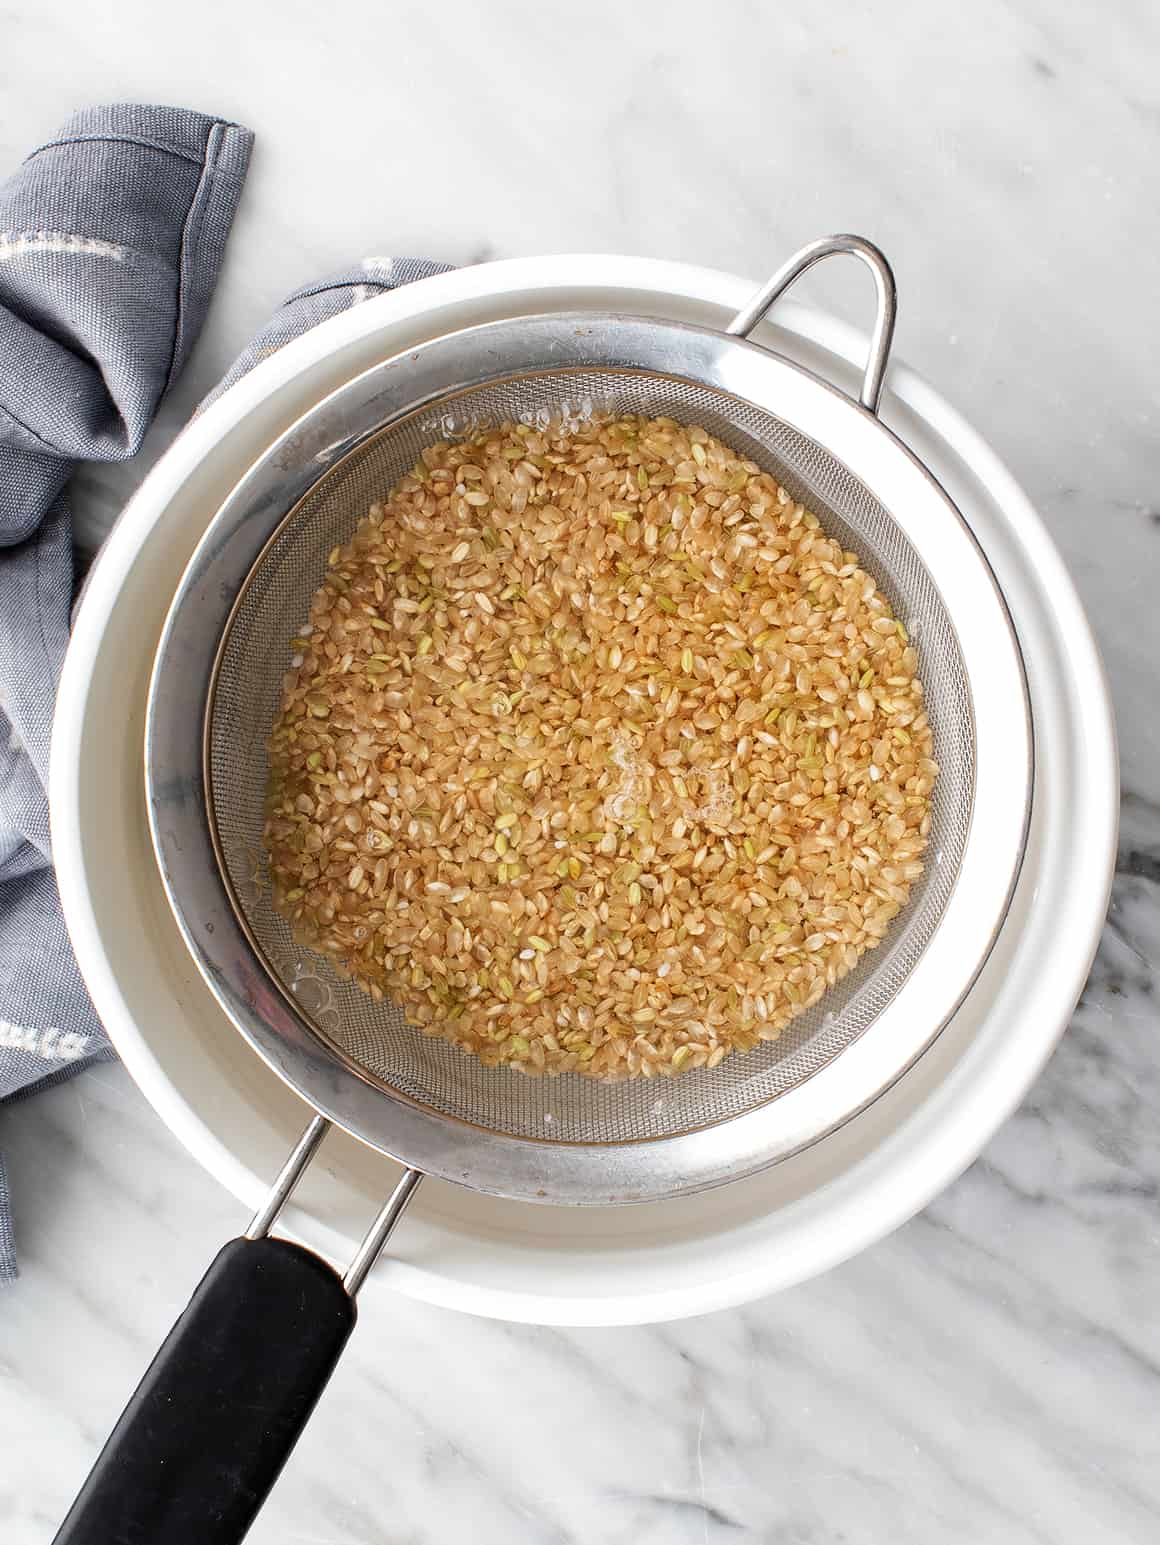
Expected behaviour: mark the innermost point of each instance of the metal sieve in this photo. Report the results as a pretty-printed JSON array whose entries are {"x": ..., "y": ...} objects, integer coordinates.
[
  {"x": 216, "y": 688},
  {"x": 247, "y": 686}
]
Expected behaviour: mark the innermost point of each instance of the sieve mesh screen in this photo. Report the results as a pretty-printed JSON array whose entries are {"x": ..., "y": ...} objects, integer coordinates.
[{"x": 255, "y": 653}]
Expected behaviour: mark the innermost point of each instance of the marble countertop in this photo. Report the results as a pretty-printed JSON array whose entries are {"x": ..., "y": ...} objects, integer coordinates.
[{"x": 991, "y": 1372}]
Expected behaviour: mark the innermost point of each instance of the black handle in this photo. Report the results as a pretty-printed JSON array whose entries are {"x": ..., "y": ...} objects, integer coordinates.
[{"x": 213, "y": 1421}]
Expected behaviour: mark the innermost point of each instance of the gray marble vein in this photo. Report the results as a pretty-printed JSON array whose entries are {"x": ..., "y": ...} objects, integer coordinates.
[{"x": 991, "y": 1372}]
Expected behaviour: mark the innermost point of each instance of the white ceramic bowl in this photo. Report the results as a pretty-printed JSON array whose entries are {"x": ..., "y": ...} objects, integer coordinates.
[{"x": 553, "y": 1264}]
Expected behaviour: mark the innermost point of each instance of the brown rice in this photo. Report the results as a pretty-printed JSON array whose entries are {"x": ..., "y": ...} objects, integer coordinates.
[{"x": 597, "y": 753}]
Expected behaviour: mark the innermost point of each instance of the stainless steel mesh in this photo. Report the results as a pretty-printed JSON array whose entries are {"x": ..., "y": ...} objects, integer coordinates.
[{"x": 374, "y": 1036}]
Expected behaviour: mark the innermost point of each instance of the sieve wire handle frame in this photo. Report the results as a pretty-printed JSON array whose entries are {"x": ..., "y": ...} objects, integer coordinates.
[
  {"x": 376, "y": 1236},
  {"x": 887, "y": 303},
  {"x": 218, "y": 1412}
]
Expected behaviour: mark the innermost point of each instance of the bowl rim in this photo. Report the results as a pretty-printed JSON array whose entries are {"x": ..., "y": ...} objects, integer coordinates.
[{"x": 918, "y": 1159}]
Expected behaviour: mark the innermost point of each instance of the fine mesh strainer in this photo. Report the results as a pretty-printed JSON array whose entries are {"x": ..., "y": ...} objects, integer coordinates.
[{"x": 214, "y": 694}]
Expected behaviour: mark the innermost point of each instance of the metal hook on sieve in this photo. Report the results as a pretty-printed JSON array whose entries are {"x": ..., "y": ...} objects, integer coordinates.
[{"x": 880, "y": 340}]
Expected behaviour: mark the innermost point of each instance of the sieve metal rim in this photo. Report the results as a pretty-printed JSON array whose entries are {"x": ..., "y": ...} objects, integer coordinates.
[{"x": 518, "y": 1166}]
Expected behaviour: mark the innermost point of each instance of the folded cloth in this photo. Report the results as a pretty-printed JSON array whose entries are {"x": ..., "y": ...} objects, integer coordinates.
[
  {"x": 110, "y": 242},
  {"x": 111, "y": 236}
]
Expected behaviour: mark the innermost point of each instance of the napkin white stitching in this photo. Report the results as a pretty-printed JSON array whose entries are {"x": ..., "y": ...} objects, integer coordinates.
[
  {"x": 14, "y": 244},
  {"x": 50, "y": 1042}
]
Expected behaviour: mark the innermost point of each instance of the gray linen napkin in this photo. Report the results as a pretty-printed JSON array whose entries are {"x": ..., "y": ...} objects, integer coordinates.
[{"x": 111, "y": 237}]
